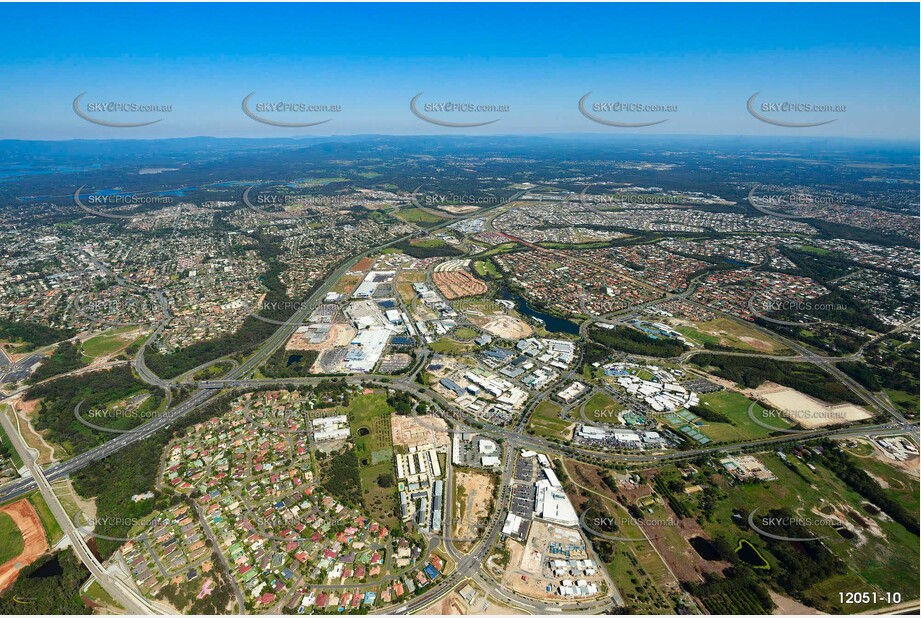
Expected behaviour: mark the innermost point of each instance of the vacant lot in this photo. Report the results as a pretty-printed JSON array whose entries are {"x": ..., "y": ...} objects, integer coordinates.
[
  {"x": 23, "y": 534},
  {"x": 734, "y": 406},
  {"x": 473, "y": 491},
  {"x": 110, "y": 342},
  {"x": 369, "y": 417},
  {"x": 546, "y": 421},
  {"x": 505, "y": 326},
  {"x": 725, "y": 332},
  {"x": 602, "y": 408},
  {"x": 807, "y": 411}
]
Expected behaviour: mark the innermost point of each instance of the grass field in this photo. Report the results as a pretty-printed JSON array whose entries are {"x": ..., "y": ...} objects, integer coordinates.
[
  {"x": 503, "y": 248},
  {"x": 602, "y": 408},
  {"x": 49, "y": 523},
  {"x": 814, "y": 250},
  {"x": 546, "y": 421},
  {"x": 465, "y": 332},
  {"x": 369, "y": 417},
  {"x": 907, "y": 401},
  {"x": 96, "y": 592},
  {"x": 212, "y": 372},
  {"x": 11, "y": 542},
  {"x": 486, "y": 269},
  {"x": 346, "y": 284},
  {"x": 900, "y": 486},
  {"x": 728, "y": 333},
  {"x": 449, "y": 346},
  {"x": 418, "y": 216},
  {"x": 734, "y": 406},
  {"x": 7, "y": 446},
  {"x": 428, "y": 243},
  {"x": 108, "y": 342},
  {"x": 884, "y": 562}
]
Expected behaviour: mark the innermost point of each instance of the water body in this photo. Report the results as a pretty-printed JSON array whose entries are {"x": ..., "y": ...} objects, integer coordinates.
[
  {"x": 52, "y": 568},
  {"x": 751, "y": 556},
  {"x": 552, "y": 323},
  {"x": 704, "y": 548}
]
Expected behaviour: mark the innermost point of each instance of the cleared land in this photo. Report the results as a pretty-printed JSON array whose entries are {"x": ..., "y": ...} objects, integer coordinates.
[
  {"x": 473, "y": 492},
  {"x": 110, "y": 342},
  {"x": 734, "y": 407},
  {"x": 504, "y": 326},
  {"x": 808, "y": 412},
  {"x": 20, "y": 518},
  {"x": 412, "y": 431},
  {"x": 725, "y": 332}
]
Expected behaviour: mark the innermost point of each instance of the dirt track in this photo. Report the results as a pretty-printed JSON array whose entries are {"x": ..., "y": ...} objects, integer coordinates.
[{"x": 34, "y": 542}]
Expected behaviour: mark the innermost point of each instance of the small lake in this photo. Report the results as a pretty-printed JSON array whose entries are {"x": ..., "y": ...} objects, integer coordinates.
[
  {"x": 751, "y": 556},
  {"x": 552, "y": 323},
  {"x": 52, "y": 568},
  {"x": 704, "y": 548}
]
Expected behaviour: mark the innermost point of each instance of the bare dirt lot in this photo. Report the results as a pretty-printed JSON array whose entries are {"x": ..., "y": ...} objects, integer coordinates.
[
  {"x": 454, "y": 605},
  {"x": 505, "y": 326},
  {"x": 805, "y": 410},
  {"x": 458, "y": 284},
  {"x": 412, "y": 431},
  {"x": 790, "y": 607},
  {"x": 34, "y": 542},
  {"x": 339, "y": 336},
  {"x": 472, "y": 502}
]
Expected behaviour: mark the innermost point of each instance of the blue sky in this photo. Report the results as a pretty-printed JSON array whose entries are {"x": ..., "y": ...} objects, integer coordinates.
[{"x": 538, "y": 59}]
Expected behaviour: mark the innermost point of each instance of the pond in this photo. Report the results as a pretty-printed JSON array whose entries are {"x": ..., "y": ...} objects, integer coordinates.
[
  {"x": 52, "y": 568},
  {"x": 751, "y": 556},
  {"x": 704, "y": 548},
  {"x": 552, "y": 323}
]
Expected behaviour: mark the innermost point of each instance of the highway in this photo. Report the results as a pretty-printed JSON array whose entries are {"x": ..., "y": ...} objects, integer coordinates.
[
  {"x": 126, "y": 595},
  {"x": 200, "y": 397}
]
